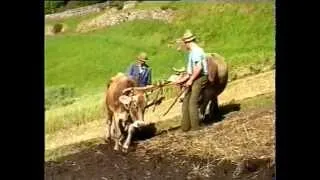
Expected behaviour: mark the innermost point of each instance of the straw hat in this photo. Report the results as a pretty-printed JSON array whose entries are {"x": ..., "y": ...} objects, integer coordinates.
[
  {"x": 188, "y": 36},
  {"x": 142, "y": 56}
]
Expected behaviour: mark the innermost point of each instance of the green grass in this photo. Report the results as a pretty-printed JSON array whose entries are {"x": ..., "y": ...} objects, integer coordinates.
[
  {"x": 242, "y": 33},
  {"x": 84, "y": 110}
]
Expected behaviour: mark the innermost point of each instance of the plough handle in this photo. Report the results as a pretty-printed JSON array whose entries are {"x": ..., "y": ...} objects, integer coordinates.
[{"x": 175, "y": 101}]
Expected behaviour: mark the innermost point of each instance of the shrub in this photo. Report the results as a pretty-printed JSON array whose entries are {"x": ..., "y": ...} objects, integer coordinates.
[
  {"x": 52, "y": 6},
  {"x": 169, "y": 6},
  {"x": 57, "y": 28},
  {"x": 78, "y": 4},
  {"x": 164, "y": 7},
  {"x": 117, "y": 4},
  {"x": 59, "y": 96}
]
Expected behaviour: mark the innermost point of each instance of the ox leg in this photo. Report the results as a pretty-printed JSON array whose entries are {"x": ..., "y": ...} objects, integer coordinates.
[
  {"x": 214, "y": 109},
  {"x": 108, "y": 131},
  {"x": 204, "y": 102},
  {"x": 109, "y": 118},
  {"x": 116, "y": 135},
  {"x": 131, "y": 131},
  {"x": 123, "y": 131}
]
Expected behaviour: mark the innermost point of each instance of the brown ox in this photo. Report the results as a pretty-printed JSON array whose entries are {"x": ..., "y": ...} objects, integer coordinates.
[
  {"x": 125, "y": 109},
  {"x": 218, "y": 79}
]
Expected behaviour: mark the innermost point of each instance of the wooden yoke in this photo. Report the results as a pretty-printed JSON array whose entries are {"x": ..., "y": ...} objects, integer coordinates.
[{"x": 147, "y": 90}]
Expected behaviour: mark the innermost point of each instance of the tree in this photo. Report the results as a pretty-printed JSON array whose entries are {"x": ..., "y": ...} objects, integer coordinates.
[{"x": 52, "y": 6}]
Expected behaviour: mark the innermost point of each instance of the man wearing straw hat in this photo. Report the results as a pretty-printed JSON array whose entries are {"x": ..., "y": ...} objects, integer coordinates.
[
  {"x": 195, "y": 80},
  {"x": 140, "y": 71}
]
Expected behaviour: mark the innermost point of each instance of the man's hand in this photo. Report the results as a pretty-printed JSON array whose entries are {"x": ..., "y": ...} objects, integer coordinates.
[
  {"x": 178, "y": 83},
  {"x": 181, "y": 80},
  {"x": 189, "y": 83}
]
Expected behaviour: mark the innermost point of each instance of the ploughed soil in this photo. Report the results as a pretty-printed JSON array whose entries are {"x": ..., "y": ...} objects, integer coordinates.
[{"x": 101, "y": 162}]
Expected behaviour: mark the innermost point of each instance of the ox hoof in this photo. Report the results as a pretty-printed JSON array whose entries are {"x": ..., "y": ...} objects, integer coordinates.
[
  {"x": 107, "y": 140},
  {"x": 124, "y": 150},
  {"x": 116, "y": 148}
]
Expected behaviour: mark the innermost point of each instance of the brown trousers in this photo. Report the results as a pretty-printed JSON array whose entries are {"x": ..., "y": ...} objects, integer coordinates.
[{"x": 190, "y": 105}]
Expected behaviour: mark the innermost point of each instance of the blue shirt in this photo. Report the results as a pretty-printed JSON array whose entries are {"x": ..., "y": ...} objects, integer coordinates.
[
  {"x": 141, "y": 74},
  {"x": 197, "y": 56}
]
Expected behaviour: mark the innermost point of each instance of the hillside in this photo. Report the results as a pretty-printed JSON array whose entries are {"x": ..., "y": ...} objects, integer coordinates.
[
  {"x": 240, "y": 144},
  {"x": 78, "y": 65},
  {"x": 242, "y": 33}
]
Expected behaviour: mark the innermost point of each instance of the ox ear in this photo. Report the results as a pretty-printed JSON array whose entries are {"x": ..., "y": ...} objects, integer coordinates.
[{"x": 125, "y": 100}]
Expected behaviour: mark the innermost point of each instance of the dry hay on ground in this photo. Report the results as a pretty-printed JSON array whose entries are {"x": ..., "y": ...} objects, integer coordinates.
[
  {"x": 247, "y": 136},
  {"x": 238, "y": 147}
]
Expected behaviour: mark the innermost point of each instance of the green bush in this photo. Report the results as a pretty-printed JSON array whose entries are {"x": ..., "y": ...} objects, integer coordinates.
[
  {"x": 52, "y": 6},
  {"x": 59, "y": 96},
  {"x": 173, "y": 6},
  {"x": 117, "y": 4},
  {"x": 78, "y": 4},
  {"x": 164, "y": 7},
  {"x": 59, "y": 6},
  {"x": 57, "y": 28}
]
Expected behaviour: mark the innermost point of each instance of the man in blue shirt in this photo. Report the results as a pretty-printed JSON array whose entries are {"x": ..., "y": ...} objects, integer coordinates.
[
  {"x": 140, "y": 71},
  {"x": 195, "y": 80}
]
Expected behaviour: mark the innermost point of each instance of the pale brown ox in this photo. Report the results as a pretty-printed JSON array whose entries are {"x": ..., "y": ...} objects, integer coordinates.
[{"x": 125, "y": 109}]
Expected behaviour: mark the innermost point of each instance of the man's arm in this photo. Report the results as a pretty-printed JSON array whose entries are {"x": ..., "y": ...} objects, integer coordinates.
[
  {"x": 197, "y": 67},
  {"x": 196, "y": 71},
  {"x": 183, "y": 79}
]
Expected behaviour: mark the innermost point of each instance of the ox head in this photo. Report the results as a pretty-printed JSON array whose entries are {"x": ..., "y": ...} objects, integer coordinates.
[{"x": 135, "y": 102}]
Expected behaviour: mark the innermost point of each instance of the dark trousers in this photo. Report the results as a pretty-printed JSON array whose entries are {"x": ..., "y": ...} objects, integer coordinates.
[{"x": 190, "y": 105}]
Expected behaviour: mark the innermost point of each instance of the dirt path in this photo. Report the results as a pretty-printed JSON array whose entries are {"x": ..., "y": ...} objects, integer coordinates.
[
  {"x": 151, "y": 160},
  {"x": 237, "y": 90}
]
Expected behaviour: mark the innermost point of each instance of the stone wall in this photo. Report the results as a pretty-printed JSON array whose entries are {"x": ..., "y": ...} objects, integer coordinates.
[{"x": 78, "y": 11}]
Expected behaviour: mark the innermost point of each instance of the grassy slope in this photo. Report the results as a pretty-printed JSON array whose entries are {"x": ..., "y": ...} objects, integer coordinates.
[
  {"x": 86, "y": 61},
  {"x": 243, "y": 33}
]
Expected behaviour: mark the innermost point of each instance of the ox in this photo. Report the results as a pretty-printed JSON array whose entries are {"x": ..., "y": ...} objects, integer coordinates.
[
  {"x": 125, "y": 104},
  {"x": 218, "y": 79}
]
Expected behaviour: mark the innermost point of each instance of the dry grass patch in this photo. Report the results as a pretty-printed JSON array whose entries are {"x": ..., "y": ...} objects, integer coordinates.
[
  {"x": 246, "y": 136},
  {"x": 74, "y": 135}
]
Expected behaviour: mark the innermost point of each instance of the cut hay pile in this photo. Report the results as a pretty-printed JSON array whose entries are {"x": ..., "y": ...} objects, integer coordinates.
[{"x": 245, "y": 137}]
